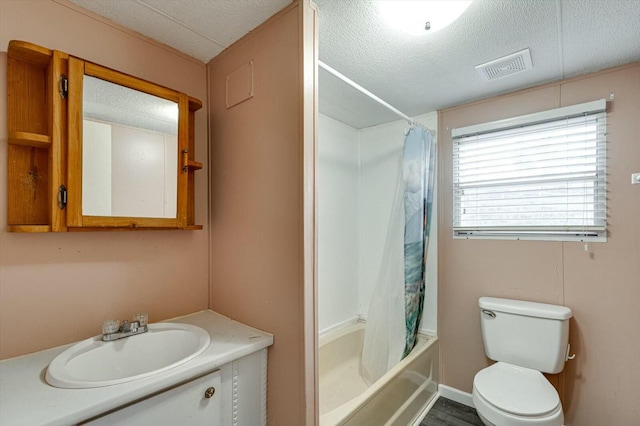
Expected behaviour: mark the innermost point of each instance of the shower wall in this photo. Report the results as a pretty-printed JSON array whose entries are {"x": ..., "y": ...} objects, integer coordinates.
[
  {"x": 337, "y": 223},
  {"x": 357, "y": 175}
]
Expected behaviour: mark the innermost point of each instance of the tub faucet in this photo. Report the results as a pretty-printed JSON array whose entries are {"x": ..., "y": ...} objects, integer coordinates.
[{"x": 113, "y": 330}]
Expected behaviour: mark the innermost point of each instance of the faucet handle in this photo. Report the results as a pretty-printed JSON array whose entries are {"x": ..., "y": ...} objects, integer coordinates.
[
  {"x": 110, "y": 326},
  {"x": 141, "y": 318}
]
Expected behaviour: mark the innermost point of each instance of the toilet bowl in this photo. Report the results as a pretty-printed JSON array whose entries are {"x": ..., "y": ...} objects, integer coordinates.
[
  {"x": 508, "y": 395},
  {"x": 525, "y": 339}
]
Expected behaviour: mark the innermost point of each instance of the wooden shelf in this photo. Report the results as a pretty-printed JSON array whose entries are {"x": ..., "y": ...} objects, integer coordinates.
[
  {"x": 194, "y": 104},
  {"x": 34, "y": 140},
  {"x": 29, "y": 52},
  {"x": 194, "y": 165},
  {"x": 29, "y": 228},
  {"x": 30, "y": 172}
]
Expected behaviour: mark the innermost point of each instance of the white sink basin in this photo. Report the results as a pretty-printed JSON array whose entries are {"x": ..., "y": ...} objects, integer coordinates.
[{"x": 93, "y": 363}]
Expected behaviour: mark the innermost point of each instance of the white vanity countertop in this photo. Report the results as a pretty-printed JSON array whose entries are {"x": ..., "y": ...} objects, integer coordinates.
[{"x": 26, "y": 399}]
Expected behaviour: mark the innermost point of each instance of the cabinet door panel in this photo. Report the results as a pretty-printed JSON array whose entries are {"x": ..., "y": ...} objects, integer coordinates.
[{"x": 184, "y": 405}]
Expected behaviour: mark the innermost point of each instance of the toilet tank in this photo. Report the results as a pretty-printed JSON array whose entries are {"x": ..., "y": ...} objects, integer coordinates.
[{"x": 527, "y": 334}]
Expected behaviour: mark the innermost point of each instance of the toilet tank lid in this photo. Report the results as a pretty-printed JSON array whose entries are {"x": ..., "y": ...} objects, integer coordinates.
[{"x": 522, "y": 307}]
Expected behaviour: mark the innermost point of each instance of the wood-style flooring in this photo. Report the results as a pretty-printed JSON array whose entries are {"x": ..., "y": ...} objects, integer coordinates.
[{"x": 450, "y": 413}]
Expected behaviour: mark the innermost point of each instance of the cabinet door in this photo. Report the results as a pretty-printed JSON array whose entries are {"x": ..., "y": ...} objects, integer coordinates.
[
  {"x": 128, "y": 151},
  {"x": 190, "y": 404}
]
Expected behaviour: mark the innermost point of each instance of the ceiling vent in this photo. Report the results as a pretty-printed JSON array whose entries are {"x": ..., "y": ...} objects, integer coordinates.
[{"x": 507, "y": 65}]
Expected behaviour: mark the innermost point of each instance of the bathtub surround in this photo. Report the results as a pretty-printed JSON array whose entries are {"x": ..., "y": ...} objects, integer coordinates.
[
  {"x": 343, "y": 222},
  {"x": 598, "y": 281},
  {"x": 357, "y": 172},
  {"x": 338, "y": 195}
]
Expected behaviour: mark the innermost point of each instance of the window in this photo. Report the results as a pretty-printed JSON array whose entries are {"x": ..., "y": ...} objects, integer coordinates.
[{"x": 539, "y": 176}]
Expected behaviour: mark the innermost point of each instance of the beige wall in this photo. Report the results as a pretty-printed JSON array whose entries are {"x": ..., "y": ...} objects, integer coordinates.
[
  {"x": 262, "y": 165},
  {"x": 601, "y": 285},
  {"x": 58, "y": 288}
]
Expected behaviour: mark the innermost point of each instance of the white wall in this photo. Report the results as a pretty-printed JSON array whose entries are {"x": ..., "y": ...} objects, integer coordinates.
[
  {"x": 380, "y": 151},
  {"x": 358, "y": 172},
  {"x": 337, "y": 223}
]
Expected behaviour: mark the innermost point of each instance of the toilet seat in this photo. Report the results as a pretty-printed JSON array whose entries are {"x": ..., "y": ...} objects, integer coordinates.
[{"x": 517, "y": 390}]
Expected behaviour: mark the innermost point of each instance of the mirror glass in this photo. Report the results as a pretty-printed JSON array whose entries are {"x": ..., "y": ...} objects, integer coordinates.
[{"x": 129, "y": 152}]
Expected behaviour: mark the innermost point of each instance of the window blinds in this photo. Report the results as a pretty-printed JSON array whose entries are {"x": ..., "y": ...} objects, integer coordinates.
[{"x": 538, "y": 176}]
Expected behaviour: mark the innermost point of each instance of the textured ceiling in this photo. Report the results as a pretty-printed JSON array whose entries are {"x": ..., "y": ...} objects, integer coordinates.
[
  {"x": 199, "y": 28},
  {"x": 432, "y": 71},
  {"x": 416, "y": 74}
]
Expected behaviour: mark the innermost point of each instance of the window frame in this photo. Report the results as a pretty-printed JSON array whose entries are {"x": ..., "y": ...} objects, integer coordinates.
[{"x": 552, "y": 232}]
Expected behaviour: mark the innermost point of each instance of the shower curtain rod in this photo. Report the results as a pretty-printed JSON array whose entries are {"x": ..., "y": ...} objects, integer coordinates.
[{"x": 368, "y": 93}]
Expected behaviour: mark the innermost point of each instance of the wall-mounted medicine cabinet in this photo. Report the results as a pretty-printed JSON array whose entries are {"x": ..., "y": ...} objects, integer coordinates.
[{"x": 92, "y": 149}]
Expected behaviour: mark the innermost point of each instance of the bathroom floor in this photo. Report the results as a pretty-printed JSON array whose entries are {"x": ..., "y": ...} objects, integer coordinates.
[{"x": 450, "y": 413}]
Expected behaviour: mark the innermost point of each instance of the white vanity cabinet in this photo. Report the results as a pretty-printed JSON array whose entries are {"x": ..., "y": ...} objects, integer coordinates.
[
  {"x": 195, "y": 403},
  {"x": 233, "y": 395}
]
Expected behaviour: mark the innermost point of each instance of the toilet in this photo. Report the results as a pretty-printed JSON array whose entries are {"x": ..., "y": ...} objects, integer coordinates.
[{"x": 526, "y": 339}]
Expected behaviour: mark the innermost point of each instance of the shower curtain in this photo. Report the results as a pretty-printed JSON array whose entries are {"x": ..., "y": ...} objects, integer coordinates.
[{"x": 396, "y": 305}]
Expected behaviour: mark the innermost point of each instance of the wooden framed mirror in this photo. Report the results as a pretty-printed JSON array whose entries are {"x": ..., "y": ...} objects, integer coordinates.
[{"x": 125, "y": 137}]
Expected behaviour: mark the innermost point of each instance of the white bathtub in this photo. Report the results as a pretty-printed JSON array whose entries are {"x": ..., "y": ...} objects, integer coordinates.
[{"x": 396, "y": 399}]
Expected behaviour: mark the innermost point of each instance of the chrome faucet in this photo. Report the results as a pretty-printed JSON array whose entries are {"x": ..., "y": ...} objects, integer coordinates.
[{"x": 113, "y": 330}]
